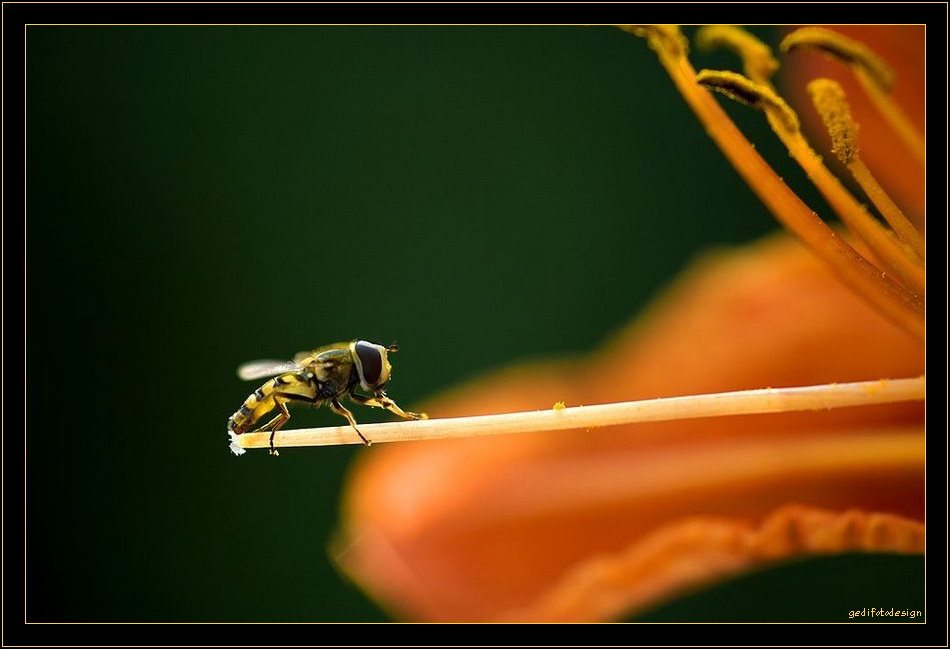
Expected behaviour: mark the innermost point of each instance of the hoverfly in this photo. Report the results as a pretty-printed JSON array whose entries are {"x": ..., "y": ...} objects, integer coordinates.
[{"x": 324, "y": 375}]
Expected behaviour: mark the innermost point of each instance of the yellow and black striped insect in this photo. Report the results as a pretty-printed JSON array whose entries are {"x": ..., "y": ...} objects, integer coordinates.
[{"x": 324, "y": 375}]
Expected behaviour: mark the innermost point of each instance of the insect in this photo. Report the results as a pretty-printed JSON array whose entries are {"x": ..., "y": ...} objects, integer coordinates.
[{"x": 324, "y": 375}]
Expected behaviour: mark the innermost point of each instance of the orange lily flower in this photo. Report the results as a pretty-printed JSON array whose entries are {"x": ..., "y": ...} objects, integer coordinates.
[{"x": 592, "y": 525}]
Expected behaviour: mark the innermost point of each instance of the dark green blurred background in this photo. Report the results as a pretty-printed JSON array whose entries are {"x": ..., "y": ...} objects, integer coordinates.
[{"x": 202, "y": 196}]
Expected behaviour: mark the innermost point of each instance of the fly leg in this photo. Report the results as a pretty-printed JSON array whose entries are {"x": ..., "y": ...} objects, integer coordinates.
[
  {"x": 283, "y": 417},
  {"x": 275, "y": 424},
  {"x": 338, "y": 408},
  {"x": 382, "y": 401}
]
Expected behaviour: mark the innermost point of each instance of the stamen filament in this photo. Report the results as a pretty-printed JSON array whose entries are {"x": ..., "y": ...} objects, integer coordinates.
[
  {"x": 888, "y": 208},
  {"x": 831, "y": 103},
  {"x": 875, "y": 76},
  {"x": 745, "y": 402},
  {"x": 884, "y": 293},
  {"x": 895, "y": 116},
  {"x": 856, "y": 217}
]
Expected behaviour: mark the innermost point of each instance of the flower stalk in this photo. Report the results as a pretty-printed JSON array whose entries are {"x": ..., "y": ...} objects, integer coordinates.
[{"x": 744, "y": 402}]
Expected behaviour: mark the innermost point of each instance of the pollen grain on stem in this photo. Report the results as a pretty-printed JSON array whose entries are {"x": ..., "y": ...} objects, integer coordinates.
[{"x": 745, "y": 402}]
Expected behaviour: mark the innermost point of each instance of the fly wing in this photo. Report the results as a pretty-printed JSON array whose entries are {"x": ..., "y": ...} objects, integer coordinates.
[{"x": 260, "y": 369}]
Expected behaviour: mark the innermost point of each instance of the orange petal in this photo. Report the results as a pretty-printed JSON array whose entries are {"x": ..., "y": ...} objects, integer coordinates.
[
  {"x": 487, "y": 528},
  {"x": 903, "y": 48},
  {"x": 697, "y": 550}
]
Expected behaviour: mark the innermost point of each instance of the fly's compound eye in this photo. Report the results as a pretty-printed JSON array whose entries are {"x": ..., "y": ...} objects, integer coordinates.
[{"x": 370, "y": 363}]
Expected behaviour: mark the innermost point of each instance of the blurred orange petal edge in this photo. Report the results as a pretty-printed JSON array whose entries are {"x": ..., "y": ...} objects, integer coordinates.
[{"x": 698, "y": 550}]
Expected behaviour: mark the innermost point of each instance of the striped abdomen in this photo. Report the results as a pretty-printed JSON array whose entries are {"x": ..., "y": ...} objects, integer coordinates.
[{"x": 298, "y": 386}]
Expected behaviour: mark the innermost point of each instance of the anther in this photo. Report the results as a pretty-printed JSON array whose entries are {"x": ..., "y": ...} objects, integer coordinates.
[
  {"x": 744, "y": 90},
  {"x": 757, "y": 59},
  {"x": 843, "y": 48},
  {"x": 832, "y": 105}
]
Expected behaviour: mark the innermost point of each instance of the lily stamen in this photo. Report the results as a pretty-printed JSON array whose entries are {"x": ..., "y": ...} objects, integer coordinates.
[
  {"x": 759, "y": 65},
  {"x": 785, "y": 124},
  {"x": 831, "y": 103},
  {"x": 889, "y": 297},
  {"x": 875, "y": 76}
]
